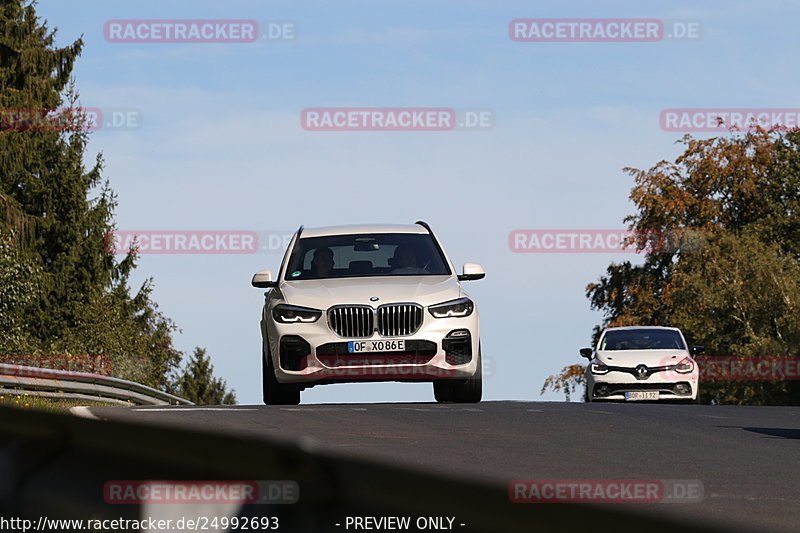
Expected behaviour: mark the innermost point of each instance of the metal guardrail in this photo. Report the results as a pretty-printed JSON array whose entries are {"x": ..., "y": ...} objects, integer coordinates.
[{"x": 46, "y": 382}]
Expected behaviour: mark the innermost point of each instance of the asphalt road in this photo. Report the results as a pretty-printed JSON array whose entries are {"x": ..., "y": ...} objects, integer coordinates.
[{"x": 747, "y": 458}]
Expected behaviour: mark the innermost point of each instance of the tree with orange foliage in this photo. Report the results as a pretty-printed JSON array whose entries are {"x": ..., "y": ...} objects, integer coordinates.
[{"x": 728, "y": 270}]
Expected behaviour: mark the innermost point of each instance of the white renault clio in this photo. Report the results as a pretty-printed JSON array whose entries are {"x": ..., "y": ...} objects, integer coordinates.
[
  {"x": 369, "y": 303},
  {"x": 641, "y": 363}
]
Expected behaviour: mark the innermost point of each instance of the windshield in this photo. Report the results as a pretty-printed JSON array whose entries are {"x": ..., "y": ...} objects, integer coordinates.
[
  {"x": 366, "y": 255},
  {"x": 642, "y": 339}
]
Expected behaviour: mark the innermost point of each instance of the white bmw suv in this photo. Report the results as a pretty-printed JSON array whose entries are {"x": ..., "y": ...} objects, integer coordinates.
[
  {"x": 642, "y": 363},
  {"x": 369, "y": 303}
]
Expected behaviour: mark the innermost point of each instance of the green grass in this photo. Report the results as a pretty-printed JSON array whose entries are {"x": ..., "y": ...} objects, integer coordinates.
[{"x": 25, "y": 401}]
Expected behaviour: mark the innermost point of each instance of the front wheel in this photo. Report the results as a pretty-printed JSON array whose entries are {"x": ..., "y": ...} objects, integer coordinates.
[
  {"x": 276, "y": 393},
  {"x": 467, "y": 390}
]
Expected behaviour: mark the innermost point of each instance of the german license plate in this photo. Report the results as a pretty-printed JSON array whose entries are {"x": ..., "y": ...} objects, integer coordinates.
[
  {"x": 641, "y": 395},
  {"x": 376, "y": 346}
]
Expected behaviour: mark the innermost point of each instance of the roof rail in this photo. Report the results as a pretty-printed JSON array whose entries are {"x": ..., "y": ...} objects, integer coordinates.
[{"x": 424, "y": 225}]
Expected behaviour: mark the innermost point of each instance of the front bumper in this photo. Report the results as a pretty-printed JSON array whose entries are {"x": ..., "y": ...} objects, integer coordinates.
[{"x": 313, "y": 354}]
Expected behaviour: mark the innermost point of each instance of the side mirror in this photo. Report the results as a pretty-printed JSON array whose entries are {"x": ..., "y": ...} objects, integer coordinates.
[
  {"x": 586, "y": 352},
  {"x": 697, "y": 350},
  {"x": 263, "y": 280},
  {"x": 471, "y": 271}
]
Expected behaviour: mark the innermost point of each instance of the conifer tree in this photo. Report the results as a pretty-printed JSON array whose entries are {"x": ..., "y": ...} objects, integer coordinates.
[
  {"x": 198, "y": 384},
  {"x": 56, "y": 214}
]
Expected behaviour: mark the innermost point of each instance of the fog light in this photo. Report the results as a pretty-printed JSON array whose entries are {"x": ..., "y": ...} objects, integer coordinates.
[
  {"x": 601, "y": 390},
  {"x": 294, "y": 352},
  {"x": 458, "y": 347}
]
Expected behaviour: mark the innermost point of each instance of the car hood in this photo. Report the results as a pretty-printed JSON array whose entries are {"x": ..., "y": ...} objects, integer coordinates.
[
  {"x": 632, "y": 358},
  {"x": 322, "y": 294}
]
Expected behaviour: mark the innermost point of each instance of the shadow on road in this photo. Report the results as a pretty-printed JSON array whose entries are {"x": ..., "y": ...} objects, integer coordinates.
[{"x": 784, "y": 433}]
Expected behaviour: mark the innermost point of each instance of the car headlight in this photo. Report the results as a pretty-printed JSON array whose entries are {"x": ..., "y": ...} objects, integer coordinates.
[
  {"x": 685, "y": 366},
  {"x": 290, "y": 314},
  {"x": 454, "y": 308},
  {"x": 597, "y": 367}
]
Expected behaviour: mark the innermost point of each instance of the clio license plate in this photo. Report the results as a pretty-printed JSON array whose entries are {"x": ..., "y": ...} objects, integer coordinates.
[{"x": 641, "y": 395}]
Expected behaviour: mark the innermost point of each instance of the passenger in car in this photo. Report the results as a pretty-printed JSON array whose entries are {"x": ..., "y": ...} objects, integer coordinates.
[
  {"x": 322, "y": 263},
  {"x": 404, "y": 257}
]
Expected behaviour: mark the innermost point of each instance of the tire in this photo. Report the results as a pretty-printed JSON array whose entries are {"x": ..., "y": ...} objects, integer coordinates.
[
  {"x": 276, "y": 393},
  {"x": 467, "y": 390}
]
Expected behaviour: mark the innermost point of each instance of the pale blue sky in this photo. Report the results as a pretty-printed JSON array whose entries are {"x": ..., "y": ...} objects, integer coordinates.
[{"x": 221, "y": 147}]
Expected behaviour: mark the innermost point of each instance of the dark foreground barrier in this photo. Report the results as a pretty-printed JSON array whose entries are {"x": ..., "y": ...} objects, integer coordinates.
[{"x": 55, "y": 467}]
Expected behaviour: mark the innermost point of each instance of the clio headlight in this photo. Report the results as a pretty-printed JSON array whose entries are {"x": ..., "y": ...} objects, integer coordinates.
[
  {"x": 685, "y": 366},
  {"x": 290, "y": 314},
  {"x": 454, "y": 308},
  {"x": 597, "y": 367}
]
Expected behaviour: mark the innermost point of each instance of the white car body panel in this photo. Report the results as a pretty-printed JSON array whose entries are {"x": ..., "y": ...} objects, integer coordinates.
[{"x": 424, "y": 290}]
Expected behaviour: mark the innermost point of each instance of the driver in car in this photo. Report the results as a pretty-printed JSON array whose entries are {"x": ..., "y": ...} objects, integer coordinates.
[
  {"x": 405, "y": 261},
  {"x": 322, "y": 263}
]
